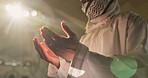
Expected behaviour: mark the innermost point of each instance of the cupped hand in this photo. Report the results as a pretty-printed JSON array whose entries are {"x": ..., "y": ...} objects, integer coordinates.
[
  {"x": 62, "y": 46},
  {"x": 46, "y": 53}
]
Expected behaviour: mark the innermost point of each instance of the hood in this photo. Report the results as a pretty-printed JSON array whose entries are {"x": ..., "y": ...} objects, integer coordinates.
[{"x": 102, "y": 15}]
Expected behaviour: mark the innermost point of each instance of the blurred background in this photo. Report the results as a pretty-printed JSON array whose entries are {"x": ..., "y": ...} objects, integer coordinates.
[{"x": 20, "y": 21}]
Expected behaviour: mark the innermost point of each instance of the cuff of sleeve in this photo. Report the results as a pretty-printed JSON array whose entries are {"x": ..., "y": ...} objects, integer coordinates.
[
  {"x": 64, "y": 67},
  {"x": 53, "y": 71}
]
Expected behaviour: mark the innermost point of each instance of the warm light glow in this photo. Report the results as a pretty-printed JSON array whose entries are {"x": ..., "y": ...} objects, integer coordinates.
[
  {"x": 34, "y": 13},
  {"x": 16, "y": 11},
  {"x": 26, "y": 13}
]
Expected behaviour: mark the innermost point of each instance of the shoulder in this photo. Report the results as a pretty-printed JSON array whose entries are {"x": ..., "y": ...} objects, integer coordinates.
[
  {"x": 129, "y": 16},
  {"x": 129, "y": 13}
]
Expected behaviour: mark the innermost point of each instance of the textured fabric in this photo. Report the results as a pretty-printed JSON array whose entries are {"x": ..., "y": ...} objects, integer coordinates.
[
  {"x": 94, "y": 65},
  {"x": 52, "y": 70},
  {"x": 84, "y": 1},
  {"x": 62, "y": 72},
  {"x": 114, "y": 33},
  {"x": 100, "y": 20},
  {"x": 110, "y": 35},
  {"x": 96, "y": 8},
  {"x": 124, "y": 34}
]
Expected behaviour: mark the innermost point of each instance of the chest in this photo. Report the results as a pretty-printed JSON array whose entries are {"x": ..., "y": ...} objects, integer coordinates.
[{"x": 107, "y": 40}]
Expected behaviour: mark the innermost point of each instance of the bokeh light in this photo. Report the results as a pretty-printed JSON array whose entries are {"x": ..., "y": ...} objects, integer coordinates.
[
  {"x": 16, "y": 11},
  {"x": 34, "y": 13}
]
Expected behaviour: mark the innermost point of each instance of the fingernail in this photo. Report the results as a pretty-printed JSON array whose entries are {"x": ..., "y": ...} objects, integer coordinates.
[
  {"x": 44, "y": 40},
  {"x": 63, "y": 23},
  {"x": 41, "y": 33},
  {"x": 45, "y": 27},
  {"x": 41, "y": 29},
  {"x": 34, "y": 38},
  {"x": 41, "y": 43}
]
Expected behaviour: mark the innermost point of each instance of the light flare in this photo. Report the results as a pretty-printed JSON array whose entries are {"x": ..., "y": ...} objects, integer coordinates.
[
  {"x": 16, "y": 11},
  {"x": 34, "y": 13}
]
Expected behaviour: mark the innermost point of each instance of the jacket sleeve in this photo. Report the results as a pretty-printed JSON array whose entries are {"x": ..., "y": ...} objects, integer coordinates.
[{"x": 136, "y": 40}]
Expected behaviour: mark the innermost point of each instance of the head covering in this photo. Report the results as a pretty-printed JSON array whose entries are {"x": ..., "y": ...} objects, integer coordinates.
[
  {"x": 96, "y": 8},
  {"x": 84, "y": 1},
  {"x": 96, "y": 19}
]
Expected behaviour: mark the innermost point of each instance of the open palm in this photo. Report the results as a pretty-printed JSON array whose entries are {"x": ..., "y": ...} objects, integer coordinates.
[{"x": 62, "y": 46}]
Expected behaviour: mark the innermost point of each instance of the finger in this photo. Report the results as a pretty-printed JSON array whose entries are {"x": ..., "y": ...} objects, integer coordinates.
[
  {"x": 50, "y": 45},
  {"x": 68, "y": 32},
  {"x": 48, "y": 52},
  {"x": 48, "y": 36},
  {"x": 38, "y": 48},
  {"x": 49, "y": 33},
  {"x": 36, "y": 44},
  {"x": 50, "y": 55},
  {"x": 48, "y": 40}
]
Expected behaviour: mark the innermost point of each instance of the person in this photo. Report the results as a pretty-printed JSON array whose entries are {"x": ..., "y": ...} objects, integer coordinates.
[{"x": 113, "y": 46}]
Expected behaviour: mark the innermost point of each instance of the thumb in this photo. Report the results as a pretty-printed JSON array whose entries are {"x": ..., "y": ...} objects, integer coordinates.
[{"x": 68, "y": 32}]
